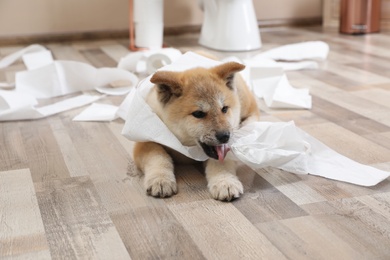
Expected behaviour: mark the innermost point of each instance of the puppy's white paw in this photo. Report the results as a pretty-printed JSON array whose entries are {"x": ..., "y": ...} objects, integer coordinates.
[
  {"x": 225, "y": 187},
  {"x": 161, "y": 186}
]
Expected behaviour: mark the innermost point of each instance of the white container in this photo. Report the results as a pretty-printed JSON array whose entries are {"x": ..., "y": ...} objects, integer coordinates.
[
  {"x": 229, "y": 25},
  {"x": 148, "y": 23},
  {"x": 149, "y": 35}
]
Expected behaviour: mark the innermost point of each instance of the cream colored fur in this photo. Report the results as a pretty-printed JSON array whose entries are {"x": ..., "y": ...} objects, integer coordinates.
[{"x": 177, "y": 99}]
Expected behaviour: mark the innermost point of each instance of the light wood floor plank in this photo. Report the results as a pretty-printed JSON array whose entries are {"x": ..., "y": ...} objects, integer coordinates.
[
  {"x": 81, "y": 46},
  {"x": 191, "y": 184},
  {"x": 324, "y": 242},
  {"x": 12, "y": 152},
  {"x": 376, "y": 95},
  {"x": 346, "y": 118},
  {"x": 359, "y": 105},
  {"x": 65, "y": 52},
  {"x": 154, "y": 233},
  {"x": 258, "y": 204},
  {"x": 222, "y": 232},
  {"x": 364, "y": 77},
  {"x": 44, "y": 155},
  {"x": 300, "y": 117},
  {"x": 115, "y": 52},
  {"x": 98, "y": 58},
  {"x": 379, "y": 203},
  {"x": 359, "y": 148},
  {"x": 22, "y": 233},
  {"x": 70, "y": 154},
  {"x": 122, "y": 195},
  {"x": 80, "y": 196},
  {"x": 356, "y": 224},
  {"x": 291, "y": 186},
  {"x": 116, "y": 129},
  {"x": 375, "y": 65},
  {"x": 109, "y": 160},
  {"x": 382, "y": 139},
  {"x": 290, "y": 242},
  {"x": 77, "y": 225}
]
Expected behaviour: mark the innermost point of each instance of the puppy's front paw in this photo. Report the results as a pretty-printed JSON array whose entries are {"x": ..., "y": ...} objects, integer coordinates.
[
  {"x": 225, "y": 187},
  {"x": 161, "y": 186}
]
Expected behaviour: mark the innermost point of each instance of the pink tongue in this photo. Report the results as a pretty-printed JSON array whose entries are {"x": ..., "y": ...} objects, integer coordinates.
[{"x": 222, "y": 150}]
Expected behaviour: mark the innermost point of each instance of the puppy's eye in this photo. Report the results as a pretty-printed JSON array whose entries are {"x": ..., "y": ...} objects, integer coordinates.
[
  {"x": 225, "y": 109},
  {"x": 199, "y": 114}
]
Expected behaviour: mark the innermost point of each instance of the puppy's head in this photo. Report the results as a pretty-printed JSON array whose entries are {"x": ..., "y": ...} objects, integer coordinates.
[{"x": 200, "y": 106}]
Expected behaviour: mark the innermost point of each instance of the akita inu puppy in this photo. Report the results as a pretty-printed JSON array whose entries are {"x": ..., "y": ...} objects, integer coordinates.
[{"x": 200, "y": 107}]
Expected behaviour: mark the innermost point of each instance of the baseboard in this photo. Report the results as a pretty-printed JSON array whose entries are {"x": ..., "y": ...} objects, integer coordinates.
[
  {"x": 293, "y": 22},
  {"x": 97, "y": 35},
  {"x": 63, "y": 37}
]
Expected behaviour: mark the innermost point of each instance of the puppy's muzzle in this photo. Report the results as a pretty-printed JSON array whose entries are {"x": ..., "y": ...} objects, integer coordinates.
[
  {"x": 218, "y": 151},
  {"x": 223, "y": 137}
]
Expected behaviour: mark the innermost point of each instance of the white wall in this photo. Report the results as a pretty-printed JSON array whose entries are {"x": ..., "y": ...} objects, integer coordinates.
[
  {"x": 30, "y": 17},
  {"x": 34, "y": 17},
  {"x": 287, "y": 9}
]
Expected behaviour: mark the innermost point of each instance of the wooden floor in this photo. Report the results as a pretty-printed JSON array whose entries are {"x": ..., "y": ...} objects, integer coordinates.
[{"x": 69, "y": 190}]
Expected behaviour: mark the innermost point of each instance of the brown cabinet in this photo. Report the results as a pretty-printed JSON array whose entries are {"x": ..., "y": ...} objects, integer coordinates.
[
  {"x": 331, "y": 14},
  {"x": 360, "y": 16}
]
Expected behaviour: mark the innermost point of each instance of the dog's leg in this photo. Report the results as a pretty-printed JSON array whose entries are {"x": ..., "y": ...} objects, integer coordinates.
[
  {"x": 157, "y": 166},
  {"x": 222, "y": 181}
]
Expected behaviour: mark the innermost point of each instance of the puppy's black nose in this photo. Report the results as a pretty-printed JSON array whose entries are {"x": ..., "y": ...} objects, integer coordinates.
[{"x": 223, "y": 137}]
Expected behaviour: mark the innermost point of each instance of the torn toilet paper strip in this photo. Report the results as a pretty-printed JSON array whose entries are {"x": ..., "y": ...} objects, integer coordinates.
[
  {"x": 34, "y": 60},
  {"x": 13, "y": 100},
  {"x": 271, "y": 84},
  {"x": 287, "y": 147},
  {"x": 268, "y": 80},
  {"x": 149, "y": 61},
  {"x": 297, "y": 51},
  {"x": 27, "y": 109},
  {"x": 46, "y": 78},
  {"x": 262, "y": 144},
  {"x": 265, "y": 144},
  {"x": 98, "y": 112},
  {"x": 11, "y": 58},
  {"x": 65, "y": 77}
]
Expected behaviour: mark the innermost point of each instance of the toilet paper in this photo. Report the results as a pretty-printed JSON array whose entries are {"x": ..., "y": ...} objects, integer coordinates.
[
  {"x": 13, "y": 99},
  {"x": 265, "y": 144},
  {"x": 271, "y": 84},
  {"x": 161, "y": 58},
  {"x": 149, "y": 35},
  {"x": 148, "y": 23},
  {"x": 46, "y": 78},
  {"x": 64, "y": 77},
  {"x": 11, "y": 58},
  {"x": 134, "y": 62},
  {"x": 34, "y": 60},
  {"x": 259, "y": 144},
  {"x": 98, "y": 112},
  {"x": 22, "y": 106},
  {"x": 297, "y": 51},
  {"x": 149, "y": 61},
  {"x": 265, "y": 73},
  {"x": 283, "y": 145}
]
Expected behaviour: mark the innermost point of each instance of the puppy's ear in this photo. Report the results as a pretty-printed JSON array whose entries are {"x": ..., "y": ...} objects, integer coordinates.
[
  {"x": 168, "y": 85},
  {"x": 227, "y": 70}
]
